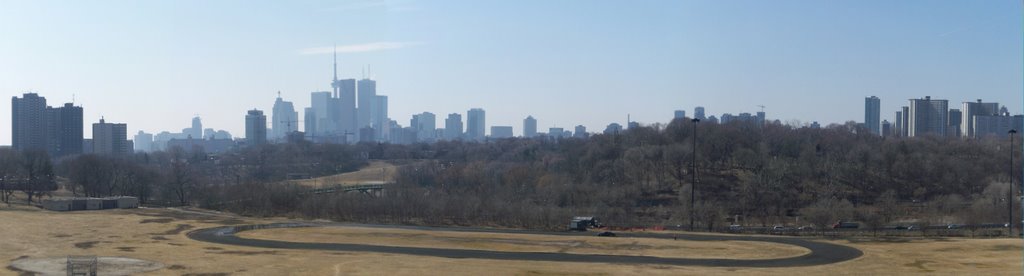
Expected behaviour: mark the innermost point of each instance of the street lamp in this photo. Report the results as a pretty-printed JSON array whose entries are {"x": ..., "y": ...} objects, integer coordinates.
[
  {"x": 1009, "y": 198},
  {"x": 693, "y": 184}
]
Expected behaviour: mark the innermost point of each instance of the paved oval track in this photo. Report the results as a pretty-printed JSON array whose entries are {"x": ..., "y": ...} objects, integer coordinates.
[{"x": 821, "y": 253}]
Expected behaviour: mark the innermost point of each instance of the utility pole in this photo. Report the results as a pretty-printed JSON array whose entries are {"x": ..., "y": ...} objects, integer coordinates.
[
  {"x": 693, "y": 184},
  {"x": 1010, "y": 196}
]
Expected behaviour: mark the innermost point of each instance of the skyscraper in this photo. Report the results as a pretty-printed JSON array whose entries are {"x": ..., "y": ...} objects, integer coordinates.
[
  {"x": 872, "y": 114},
  {"x": 65, "y": 130},
  {"x": 256, "y": 127},
  {"x": 698, "y": 113},
  {"x": 309, "y": 122},
  {"x": 367, "y": 90},
  {"x": 319, "y": 104},
  {"x": 380, "y": 116},
  {"x": 284, "y": 119},
  {"x": 955, "y": 123},
  {"x": 905, "y": 131},
  {"x": 28, "y": 122},
  {"x": 928, "y": 116},
  {"x": 425, "y": 124},
  {"x": 898, "y": 124},
  {"x": 110, "y": 139},
  {"x": 475, "y": 124},
  {"x": 971, "y": 109},
  {"x": 529, "y": 127},
  {"x": 453, "y": 127}
]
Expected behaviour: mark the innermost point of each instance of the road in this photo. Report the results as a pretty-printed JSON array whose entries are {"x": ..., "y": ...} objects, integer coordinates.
[{"x": 821, "y": 253}]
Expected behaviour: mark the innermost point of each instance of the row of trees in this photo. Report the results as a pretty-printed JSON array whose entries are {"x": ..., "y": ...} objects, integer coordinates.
[
  {"x": 762, "y": 175},
  {"x": 30, "y": 172}
]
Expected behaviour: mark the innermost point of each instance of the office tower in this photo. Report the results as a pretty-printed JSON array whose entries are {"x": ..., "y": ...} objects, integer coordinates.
[
  {"x": 453, "y": 127},
  {"x": 580, "y": 132},
  {"x": 367, "y": 90},
  {"x": 65, "y": 128},
  {"x": 309, "y": 122},
  {"x": 319, "y": 103},
  {"x": 499, "y": 132},
  {"x": 872, "y": 114},
  {"x": 475, "y": 124},
  {"x": 425, "y": 124},
  {"x": 380, "y": 116},
  {"x": 679, "y": 114},
  {"x": 969, "y": 110},
  {"x": 28, "y": 122},
  {"x": 529, "y": 127},
  {"x": 256, "y": 127},
  {"x": 955, "y": 123},
  {"x": 928, "y": 117},
  {"x": 555, "y": 132},
  {"x": 760, "y": 119},
  {"x": 143, "y": 142},
  {"x": 905, "y": 131},
  {"x": 698, "y": 113},
  {"x": 284, "y": 119},
  {"x": 196, "y": 131},
  {"x": 109, "y": 139}
]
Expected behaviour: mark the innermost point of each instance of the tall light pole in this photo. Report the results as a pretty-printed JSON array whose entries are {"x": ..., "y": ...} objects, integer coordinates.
[
  {"x": 693, "y": 173},
  {"x": 1009, "y": 197}
]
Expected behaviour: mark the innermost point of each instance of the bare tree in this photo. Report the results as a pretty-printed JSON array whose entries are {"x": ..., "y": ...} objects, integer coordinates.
[
  {"x": 10, "y": 173},
  {"x": 38, "y": 174}
]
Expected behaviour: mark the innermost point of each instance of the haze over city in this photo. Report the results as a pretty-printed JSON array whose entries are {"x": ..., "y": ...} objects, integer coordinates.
[{"x": 155, "y": 65}]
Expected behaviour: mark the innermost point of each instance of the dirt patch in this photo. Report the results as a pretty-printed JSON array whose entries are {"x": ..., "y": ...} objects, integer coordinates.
[
  {"x": 207, "y": 274},
  {"x": 160, "y": 238},
  {"x": 231, "y": 221},
  {"x": 86, "y": 245},
  {"x": 920, "y": 264},
  {"x": 126, "y": 249},
  {"x": 213, "y": 248},
  {"x": 61, "y": 236},
  {"x": 158, "y": 220},
  {"x": 177, "y": 267},
  {"x": 177, "y": 230},
  {"x": 1006, "y": 247}
]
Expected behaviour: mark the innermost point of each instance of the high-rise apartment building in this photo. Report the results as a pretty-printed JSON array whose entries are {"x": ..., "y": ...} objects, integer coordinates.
[
  {"x": 475, "y": 124},
  {"x": 905, "y": 131},
  {"x": 679, "y": 114},
  {"x": 499, "y": 132},
  {"x": 580, "y": 132},
  {"x": 65, "y": 130},
  {"x": 928, "y": 117},
  {"x": 28, "y": 122},
  {"x": 143, "y": 142},
  {"x": 529, "y": 127},
  {"x": 36, "y": 126},
  {"x": 955, "y": 123},
  {"x": 969, "y": 110},
  {"x": 110, "y": 139},
  {"x": 698, "y": 113},
  {"x": 872, "y": 114},
  {"x": 453, "y": 127},
  {"x": 897, "y": 128},
  {"x": 425, "y": 124},
  {"x": 256, "y": 127}
]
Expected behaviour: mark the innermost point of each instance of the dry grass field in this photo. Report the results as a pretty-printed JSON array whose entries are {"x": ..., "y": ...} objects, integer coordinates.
[
  {"x": 375, "y": 173},
  {"x": 158, "y": 235}
]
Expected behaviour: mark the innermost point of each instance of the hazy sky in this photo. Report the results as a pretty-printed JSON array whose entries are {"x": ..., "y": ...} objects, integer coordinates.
[{"x": 154, "y": 64}]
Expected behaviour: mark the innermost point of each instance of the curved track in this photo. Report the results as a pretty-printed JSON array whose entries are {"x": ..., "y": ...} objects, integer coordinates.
[{"x": 821, "y": 253}]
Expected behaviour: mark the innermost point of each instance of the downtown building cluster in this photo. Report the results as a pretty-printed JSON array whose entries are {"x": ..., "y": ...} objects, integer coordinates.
[{"x": 934, "y": 117}]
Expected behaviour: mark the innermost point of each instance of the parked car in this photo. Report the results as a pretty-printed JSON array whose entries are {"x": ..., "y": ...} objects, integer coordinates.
[
  {"x": 805, "y": 228},
  {"x": 846, "y": 225},
  {"x": 606, "y": 234}
]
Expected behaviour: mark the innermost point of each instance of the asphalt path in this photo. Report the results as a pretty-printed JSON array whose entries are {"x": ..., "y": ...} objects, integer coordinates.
[{"x": 821, "y": 253}]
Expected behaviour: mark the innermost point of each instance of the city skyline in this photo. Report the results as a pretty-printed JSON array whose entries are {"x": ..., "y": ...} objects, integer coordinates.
[{"x": 133, "y": 65}]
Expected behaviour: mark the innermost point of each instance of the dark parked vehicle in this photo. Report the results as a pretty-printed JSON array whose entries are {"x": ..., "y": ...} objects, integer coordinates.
[
  {"x": 606, "y": 234},
  {"x": 846, "y": 225}
]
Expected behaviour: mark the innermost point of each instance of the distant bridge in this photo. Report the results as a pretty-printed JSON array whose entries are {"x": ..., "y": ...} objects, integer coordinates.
[{"x": 370, "y": 189}]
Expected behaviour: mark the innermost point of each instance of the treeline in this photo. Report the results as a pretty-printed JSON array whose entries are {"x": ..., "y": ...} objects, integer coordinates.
[{"x": 745, "y": 174}]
